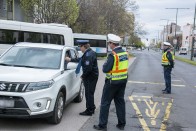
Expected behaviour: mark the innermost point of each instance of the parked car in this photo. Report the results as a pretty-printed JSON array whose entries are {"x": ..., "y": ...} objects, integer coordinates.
[
  {"x": 183, "y": 50},
  {"x": 36, "y": 81}
]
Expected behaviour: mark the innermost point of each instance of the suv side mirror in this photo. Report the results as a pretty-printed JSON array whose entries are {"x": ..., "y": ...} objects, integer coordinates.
[{"x": 71, "y": 65}]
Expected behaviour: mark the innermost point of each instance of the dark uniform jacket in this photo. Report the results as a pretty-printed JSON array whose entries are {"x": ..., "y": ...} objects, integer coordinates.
[
  {"x": 108, "y": 65},
  {"x": 169, "y": 57},
  {"x": 89, "y": 64}
]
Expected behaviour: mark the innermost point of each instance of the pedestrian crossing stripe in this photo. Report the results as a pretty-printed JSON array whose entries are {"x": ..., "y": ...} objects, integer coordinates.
[
  {"x": 154, "y": 83},
  {"x": 152, "y": 111}
]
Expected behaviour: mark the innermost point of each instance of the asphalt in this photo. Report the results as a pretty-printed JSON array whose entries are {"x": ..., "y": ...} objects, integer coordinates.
[{"x": 112, "y": 119}]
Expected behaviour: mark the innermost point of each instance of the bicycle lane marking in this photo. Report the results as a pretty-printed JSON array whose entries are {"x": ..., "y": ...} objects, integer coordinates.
[{"x": 152, "y": 109}]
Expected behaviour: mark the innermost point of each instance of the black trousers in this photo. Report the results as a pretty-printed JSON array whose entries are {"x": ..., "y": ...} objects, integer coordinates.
[
  {"x": 167, "y": 77},
  {"x": 90, "y": 85},
  {"x": 111, "y": 92}
]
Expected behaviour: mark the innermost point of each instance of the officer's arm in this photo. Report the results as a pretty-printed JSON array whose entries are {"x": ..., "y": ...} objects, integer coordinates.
[
  {"x": 88, "y": 65},
  {"x": 75, "y": 59},
  {"x": 108, "y": 65},
  {"x": 169, "y": 57}
]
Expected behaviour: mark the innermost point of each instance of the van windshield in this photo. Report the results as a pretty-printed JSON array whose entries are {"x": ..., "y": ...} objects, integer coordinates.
[{"x": 32, "y": 57}]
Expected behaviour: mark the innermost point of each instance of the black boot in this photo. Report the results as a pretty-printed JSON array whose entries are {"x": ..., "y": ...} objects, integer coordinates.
[
  {"x": 86, "y": 113},
  {"x": 98, "y": 127}
]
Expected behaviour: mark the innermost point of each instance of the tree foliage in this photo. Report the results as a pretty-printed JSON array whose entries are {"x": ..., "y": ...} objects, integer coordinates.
[
  {"x": 51, "y": 11},
  {"x": 106, "y": 16}
]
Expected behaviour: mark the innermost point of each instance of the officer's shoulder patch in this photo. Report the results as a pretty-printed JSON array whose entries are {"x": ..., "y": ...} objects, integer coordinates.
[
  {"x": 87, "y": 53},
  {"x": 87, "y": 62}
]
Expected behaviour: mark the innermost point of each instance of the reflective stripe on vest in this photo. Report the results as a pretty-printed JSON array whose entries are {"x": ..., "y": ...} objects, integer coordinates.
[
  {"x": 119, "y": 70},
  {"x": 165, "y": 60}
]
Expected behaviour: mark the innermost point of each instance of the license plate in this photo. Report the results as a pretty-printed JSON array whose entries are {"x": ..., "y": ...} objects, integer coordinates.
[{"x": 6, "y": 103}]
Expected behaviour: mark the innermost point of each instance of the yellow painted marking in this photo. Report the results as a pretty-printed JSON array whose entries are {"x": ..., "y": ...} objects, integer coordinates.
[
  {"x": 166, "y": 116},
  {"x": 141, "y": 96},
  {"x": 154, "y": 83},
  {"x": 153, "y": 114},
  {"x": 139, "y": 100},
  {"x": 141, "y": 119}
]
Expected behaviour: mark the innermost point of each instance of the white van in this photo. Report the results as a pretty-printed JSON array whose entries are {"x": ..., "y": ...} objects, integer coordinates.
[
  {"x": 183, "y": 50},
  {"x": 12, "y": 32}
]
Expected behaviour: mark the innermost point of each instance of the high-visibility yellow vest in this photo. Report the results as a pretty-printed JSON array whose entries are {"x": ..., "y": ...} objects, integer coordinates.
[
  {"x": 120, "y": 67},
  {"x": 165, "y": 60}
]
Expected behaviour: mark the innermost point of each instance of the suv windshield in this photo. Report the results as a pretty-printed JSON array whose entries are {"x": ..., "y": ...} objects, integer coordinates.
[{"x": 32, "y": 57}]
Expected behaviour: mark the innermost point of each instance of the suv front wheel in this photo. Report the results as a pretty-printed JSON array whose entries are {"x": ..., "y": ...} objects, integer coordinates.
[
  {"x": 80, "y": 96},
  {"x": 58, "y": 109}
]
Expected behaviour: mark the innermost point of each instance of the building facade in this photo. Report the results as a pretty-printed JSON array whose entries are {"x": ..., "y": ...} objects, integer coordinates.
[{"x": 11, "y": 10}]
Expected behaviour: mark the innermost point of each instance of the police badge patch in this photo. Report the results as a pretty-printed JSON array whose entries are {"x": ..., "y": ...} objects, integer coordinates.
[{"x": 87, "y": 62}]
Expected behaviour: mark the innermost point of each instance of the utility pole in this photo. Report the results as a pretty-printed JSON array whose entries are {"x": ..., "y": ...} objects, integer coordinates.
[
  {"x": 175, "y": 39},
  {"x": 193, "y": 36}
]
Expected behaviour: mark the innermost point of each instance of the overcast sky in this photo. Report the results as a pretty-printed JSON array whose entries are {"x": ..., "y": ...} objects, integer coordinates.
[{"x": 151, "y": 12}]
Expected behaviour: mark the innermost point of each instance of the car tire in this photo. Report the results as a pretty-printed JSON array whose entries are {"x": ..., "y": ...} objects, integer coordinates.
[
  {"x": 80, "y": 95},
  {"x": 57, "y": 113}
]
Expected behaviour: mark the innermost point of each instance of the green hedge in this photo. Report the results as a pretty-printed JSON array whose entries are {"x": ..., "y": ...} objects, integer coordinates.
[{"x": 185, "y": 60}]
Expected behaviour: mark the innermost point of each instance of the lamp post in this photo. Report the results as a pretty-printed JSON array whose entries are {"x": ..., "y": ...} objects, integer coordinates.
[{"x": 175, "y": 39}]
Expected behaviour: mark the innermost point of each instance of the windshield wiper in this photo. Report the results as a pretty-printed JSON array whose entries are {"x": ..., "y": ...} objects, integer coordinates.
[
  {"x": 3, "y": 64},
  {"x": 28, "y": 66}
]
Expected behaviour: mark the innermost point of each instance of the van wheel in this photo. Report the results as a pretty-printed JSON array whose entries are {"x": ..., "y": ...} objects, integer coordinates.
[
  {"x": 80, "y": 96},
  {"x": 58, "y": 110}
]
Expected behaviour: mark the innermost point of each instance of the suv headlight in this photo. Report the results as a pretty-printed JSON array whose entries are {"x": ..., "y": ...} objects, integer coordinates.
[{"x": 39, "y": 85}]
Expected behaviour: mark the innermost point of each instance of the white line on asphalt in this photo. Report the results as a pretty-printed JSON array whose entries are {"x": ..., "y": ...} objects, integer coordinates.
[
  {"x": 155, "y": 83},
  {"x": 175, "y": 80}
]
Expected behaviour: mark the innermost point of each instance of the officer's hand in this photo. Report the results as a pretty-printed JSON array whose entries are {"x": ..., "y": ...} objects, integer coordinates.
[{"x": 67, "y": 59}]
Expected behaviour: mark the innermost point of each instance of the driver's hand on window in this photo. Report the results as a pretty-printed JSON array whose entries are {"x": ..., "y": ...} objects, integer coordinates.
[{"x": 67, "y": 59}]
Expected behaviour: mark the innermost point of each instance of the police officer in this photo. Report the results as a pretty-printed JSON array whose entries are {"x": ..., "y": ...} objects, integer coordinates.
[
  {"x": 115, "y": 68},
  {"x": 89, "y": 76},
  {"x": 168, "y": 64}
]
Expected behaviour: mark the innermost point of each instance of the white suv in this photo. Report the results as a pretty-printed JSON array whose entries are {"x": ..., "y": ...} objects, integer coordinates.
[{"x": 36, "y": 81}]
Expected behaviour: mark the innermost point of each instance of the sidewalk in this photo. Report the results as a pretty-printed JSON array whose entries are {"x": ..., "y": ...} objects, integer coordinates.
[{"x": 112, "y": 119}]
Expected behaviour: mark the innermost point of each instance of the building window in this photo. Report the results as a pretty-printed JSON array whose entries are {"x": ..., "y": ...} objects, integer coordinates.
[
  {"x": 10, "y": 9},
  {"x": 10, "y": 6}
]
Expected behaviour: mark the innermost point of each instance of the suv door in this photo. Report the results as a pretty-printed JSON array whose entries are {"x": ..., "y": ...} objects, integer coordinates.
[
  {"x": 72, "y": 80},
  {"x": 76, "y": 78}
]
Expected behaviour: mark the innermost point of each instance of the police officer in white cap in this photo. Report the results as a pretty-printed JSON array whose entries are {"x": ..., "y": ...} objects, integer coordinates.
[
  {"x": 168, "y": 64},
  {"x": 116, "y": 69}
]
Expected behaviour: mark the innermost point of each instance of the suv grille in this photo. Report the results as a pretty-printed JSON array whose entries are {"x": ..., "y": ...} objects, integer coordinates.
[{"x": 13, "y": 87}]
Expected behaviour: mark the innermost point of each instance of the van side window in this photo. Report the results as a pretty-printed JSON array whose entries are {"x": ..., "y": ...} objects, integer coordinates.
[
  {"x": 32, "y": 37},
  {"x": 12, "y": 37},
  {"x": 8, "y": 36},
  {"x": 55, "y": 39}
]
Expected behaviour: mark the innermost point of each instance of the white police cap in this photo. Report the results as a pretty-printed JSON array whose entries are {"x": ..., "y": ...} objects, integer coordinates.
[
  {"x": 113, "y": 38},
  {"x": 167, "y": 43}
]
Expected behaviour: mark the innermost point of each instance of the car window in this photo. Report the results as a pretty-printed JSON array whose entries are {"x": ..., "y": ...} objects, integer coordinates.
[{"x": 73, "y": 54}]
